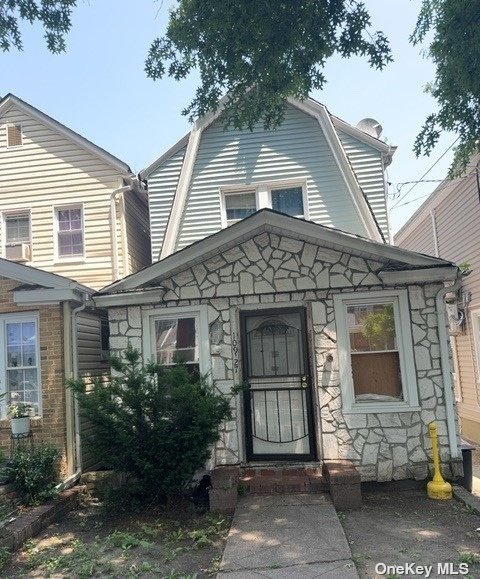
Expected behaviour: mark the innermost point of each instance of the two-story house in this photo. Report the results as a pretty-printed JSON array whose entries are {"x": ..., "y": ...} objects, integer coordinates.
[
  {"x": 446, "y": 225},
  {"x": 273, "y": 271},
  {"x": 72, "y": 218}
]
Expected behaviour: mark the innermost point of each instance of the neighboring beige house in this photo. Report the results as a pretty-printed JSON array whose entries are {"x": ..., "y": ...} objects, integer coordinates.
[
  {"x": 447, "y": 226},
  {"x": 66, "y": 205}
]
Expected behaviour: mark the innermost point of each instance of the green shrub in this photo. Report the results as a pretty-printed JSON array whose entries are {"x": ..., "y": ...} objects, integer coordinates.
[
  {"x": 155, "y": 422},
  {"x": 34, "y": 472}
]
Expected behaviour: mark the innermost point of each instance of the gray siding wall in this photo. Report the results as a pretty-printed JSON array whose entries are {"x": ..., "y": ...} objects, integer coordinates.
[
  {"x": 138, "y": 232},
  {"x": 162, "y": 185},
  {"x": 90, "y": 364},
  {"x": 367, "y": 164},
  {"x": 457, "y": 220},
  {"x": 297, "y": 149}
]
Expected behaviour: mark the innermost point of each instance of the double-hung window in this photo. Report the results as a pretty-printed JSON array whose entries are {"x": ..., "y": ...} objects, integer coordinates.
[
  {"x": 376, "y": 361},
  {"x": 20, "y": 354},
  {"x": 178, "y": 335},
  {"x": 238, "y": 205},
  {"x": 69, "y": 232},
  {"x": 17, "y": 227}
]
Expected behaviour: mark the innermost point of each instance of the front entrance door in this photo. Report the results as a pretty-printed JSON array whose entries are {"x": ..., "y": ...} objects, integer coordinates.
[{"x": 278, "y": 402}]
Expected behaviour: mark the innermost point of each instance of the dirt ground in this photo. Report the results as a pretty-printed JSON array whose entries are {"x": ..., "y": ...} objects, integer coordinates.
[
  {"x": 89, "y": 542},
  {"x": 406, "y": 527}
]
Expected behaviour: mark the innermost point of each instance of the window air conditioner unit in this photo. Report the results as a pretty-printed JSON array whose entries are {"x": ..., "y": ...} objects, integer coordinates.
[{"x": 18, "y": 252}]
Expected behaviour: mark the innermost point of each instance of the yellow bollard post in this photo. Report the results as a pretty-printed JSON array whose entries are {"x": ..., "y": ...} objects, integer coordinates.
[{"x": 437, "y": 488}]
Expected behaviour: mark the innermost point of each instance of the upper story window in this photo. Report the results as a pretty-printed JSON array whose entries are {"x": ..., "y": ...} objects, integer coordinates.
[
  {"x": 376, "y": 363},
  {"x": 283, "y": 196},
  {"x": 288, "y": 200},
  {"x": 14, "y": 135},
  {"x": 69, "y": 231},
  {"x": 239, "y": 205},
  {"x": 17, "y": 236}
]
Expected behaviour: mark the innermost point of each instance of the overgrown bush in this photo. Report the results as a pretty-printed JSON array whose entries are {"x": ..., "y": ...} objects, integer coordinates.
[
  {"x": 155, "y": 422},
  {"x": 35, "y": 473}
]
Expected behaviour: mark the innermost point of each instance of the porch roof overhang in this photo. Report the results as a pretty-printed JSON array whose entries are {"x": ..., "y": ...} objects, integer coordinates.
[
  {"x": 41, "y": 287},
  {"x": 267, "y": 220}
]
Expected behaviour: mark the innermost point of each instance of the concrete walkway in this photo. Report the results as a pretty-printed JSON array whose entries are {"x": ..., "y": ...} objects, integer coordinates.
[{"x": 286, "y": 536}]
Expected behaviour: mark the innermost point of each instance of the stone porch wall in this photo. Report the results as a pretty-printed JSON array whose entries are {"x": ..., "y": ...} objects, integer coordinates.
[
  {"x": 50, "y": 427},
  {"x": 272, "y": 269}
]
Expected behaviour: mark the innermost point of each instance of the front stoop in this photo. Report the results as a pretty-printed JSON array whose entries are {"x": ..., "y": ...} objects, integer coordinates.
[
  {"x": 343, "y": 481},
  {"x": 282, "y": 479}
]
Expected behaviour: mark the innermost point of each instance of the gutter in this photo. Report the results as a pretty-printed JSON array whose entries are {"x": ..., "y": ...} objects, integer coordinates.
[
  {"x": 72, "y": 416},
  {"x": 446, "y": 374}
]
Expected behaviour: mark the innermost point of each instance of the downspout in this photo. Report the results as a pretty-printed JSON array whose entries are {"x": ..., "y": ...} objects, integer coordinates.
[
  {"x": 72, "y": 412},
  {"x": 445, "y": 359},
  {"x": 113, "y": 226}
]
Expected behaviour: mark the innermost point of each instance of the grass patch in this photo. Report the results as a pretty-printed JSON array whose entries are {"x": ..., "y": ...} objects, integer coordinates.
[{"x": 469, "y": 557}]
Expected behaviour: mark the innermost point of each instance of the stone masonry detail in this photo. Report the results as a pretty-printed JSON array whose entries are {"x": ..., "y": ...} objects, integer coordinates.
[{"x": 271, "y": 269}]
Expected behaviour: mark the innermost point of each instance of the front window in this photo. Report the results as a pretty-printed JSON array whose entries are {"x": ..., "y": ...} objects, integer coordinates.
[
  {"x": 374, "y": 352},
  {"x": 288, "y": 200},
  {"x": 17, "y": 228},
  {"x": 176, "y": 341},
  {"x": 239, "y": 205},
  {"x": 22, "y": 364},
  {"x": 70, "y": 232}
]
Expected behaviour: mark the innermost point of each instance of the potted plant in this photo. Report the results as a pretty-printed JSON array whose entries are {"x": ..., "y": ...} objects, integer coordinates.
[{"x": 19, "y": 414}]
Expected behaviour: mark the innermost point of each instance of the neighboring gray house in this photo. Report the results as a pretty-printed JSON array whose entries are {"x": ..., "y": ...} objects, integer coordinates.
[
  {"x": 447, "y": 225},
  {"x": 287, "y": 306},
  {"x": 314, "y": 166}
]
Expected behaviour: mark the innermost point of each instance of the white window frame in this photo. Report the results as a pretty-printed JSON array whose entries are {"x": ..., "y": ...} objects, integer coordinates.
[
  {"x": 223, "y": 204},
  {"x": 21, "y": 135},
  {"x": 263, "y": 194},
  {"x": 56, "y": 229},
  {"x": 200, "y": 313},
  {"x": 9, "y": 212},
  {"x": 19, "y": 317},
  {"x": 399, "y": 298}
]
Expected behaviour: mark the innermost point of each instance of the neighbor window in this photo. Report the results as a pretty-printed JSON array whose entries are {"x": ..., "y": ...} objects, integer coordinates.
[
  {"x": 14, "y": 136},
  {"x": 176, "y": 341},
  {"x": 69, "y": 221},
  {"x": 17, "y": 228},
  {"x": 239, "y": 205},
  {"x": 377, "y": 369},
  {"x": 22, "y": 363},
  {"x": 288, "y": 200}
]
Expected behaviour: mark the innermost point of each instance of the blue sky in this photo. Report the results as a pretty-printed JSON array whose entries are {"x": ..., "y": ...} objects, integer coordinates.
[{"x": 99, "y": 87}]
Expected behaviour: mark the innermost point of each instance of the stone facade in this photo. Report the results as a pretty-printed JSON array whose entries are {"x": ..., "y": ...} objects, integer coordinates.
[
  {"x": 274, "y": 269},
  {"x": 50, "y": 427}
]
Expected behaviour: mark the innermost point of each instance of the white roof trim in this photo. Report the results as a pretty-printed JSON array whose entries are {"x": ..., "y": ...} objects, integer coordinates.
[
  {"x": 145, "y": 173},
  {"x": 134, "y": 298},
  {"x": 378, "y": 144},
  {"x": 360, "y": 203},
  {"x": 439, "y": 274},
  {"x": 45, "y": 296},
  {"x": 12, "y": 100},
  {"x": 267, "y": 219},
  {"x": 32, "y": 275}
]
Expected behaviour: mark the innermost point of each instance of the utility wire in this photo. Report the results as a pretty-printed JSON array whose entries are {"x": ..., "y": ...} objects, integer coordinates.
[{"x": 425, "y": 174}]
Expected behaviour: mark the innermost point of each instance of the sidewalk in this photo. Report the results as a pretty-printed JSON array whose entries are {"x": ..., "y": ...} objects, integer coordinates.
[{"x": 286, "y": 536}]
